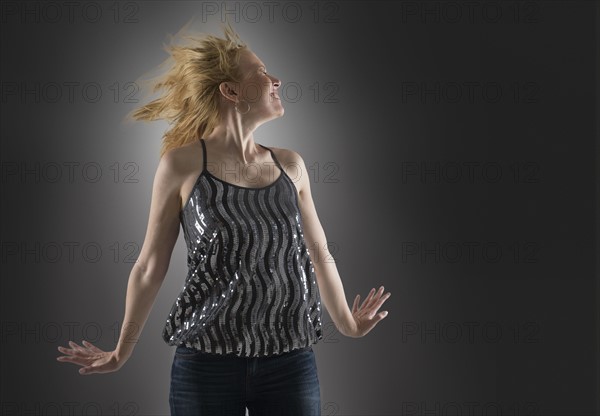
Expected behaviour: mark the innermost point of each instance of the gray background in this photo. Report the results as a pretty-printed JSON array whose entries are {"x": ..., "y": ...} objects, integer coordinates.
[{"x": 473, "y": 203}]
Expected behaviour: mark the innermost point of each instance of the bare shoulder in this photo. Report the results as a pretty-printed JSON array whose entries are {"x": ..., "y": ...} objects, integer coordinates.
[
  {"x": 182, "y": 160},
  {"x": 176, "y": 169},
  {"x": 288, "y": 157},
  {"x": 293, "y": 164}
]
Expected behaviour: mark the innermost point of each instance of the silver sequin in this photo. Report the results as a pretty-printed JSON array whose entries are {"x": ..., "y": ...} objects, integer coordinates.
[{"x": 251, "y": 288}]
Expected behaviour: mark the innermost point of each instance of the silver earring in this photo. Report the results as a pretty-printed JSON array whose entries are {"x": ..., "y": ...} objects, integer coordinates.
[{"x": 238, "y": 110}]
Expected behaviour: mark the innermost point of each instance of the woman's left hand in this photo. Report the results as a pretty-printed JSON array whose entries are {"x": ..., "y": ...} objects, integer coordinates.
[{"x": 366, "y": 317}]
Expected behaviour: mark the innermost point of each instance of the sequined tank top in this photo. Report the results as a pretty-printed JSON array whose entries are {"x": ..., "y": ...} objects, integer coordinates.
[{"x": 251, "y": 288}]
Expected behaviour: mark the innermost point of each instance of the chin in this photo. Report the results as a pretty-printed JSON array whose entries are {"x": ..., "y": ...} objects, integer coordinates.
[
  {"x": 278, "y": 113},
  {"x": 272, "y": 116}
]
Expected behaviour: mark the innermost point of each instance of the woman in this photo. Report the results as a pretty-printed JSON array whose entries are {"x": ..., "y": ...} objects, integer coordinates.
[{"x": 250, "y": 308}]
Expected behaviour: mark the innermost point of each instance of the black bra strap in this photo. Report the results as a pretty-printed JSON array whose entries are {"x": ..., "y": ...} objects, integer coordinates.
[
  {"x": 273, "y": 156},
  {"x": 203, "y": 155}
]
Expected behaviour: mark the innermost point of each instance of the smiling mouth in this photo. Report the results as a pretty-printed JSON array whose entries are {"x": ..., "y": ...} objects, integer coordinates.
[{"x": 275, "y": 96}]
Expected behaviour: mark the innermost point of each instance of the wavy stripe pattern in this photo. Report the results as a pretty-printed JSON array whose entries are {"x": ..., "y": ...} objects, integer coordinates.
[{"x": 251, "y": 288}]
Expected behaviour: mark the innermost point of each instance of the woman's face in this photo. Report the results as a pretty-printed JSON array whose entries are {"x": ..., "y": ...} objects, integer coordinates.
[{"x": 258, "y": 88}]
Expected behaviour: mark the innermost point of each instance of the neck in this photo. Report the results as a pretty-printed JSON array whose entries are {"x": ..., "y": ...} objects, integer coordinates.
[{"x": 235, "y": 139}]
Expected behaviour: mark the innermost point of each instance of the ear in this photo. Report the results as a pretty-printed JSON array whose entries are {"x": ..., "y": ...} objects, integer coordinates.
[{"x": 229, "y": 90}]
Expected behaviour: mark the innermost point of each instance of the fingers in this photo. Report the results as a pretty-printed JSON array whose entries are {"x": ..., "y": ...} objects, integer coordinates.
[
  {"x": 372, "y": 314},
  {"x": 355, "y": 305},
  {"x": 382, "y": 299},
  {"x": 367, "y": 299},
  {"x": 92, "y": 347},
  {"x": 375, "y": 298},
  {"x": 78, "y": 350},
  {"x": 378, "y": 317},
  {"x": 70, "y": 351},
  {"x": 365, "y": 305},
  {"x": 75, "y": 346},
  {"x": 73, "y": 360},
  {"x": 90, "y": 370},
  {"x": 105, "y": 364},
  {"x": 78, "y": 354},
  {"x": 73, "y": 353},
  {"x": 371, "y": 306},
  {"x": 366, "y": 316},
  {"x": 91, "y": 358}
]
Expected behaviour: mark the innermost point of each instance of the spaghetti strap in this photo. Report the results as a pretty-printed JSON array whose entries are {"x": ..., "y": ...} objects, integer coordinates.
[
  {"x": 218, "y": 221},
  {"x": 203, "y": 155},
  {"x": 273, "y": 156}
]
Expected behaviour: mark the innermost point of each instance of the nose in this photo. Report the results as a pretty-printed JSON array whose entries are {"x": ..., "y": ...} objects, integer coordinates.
[{"x": 276, "y": 82}]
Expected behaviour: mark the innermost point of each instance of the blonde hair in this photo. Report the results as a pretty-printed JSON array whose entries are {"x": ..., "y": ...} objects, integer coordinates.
[{"x": 191, "y": 101}]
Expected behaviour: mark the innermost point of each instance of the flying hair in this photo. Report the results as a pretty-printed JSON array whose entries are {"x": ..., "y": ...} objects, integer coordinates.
[{"x": 195, "y": 68}]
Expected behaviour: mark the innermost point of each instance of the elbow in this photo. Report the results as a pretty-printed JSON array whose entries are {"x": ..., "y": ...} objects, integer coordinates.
[{"x": 151, "y": 271}]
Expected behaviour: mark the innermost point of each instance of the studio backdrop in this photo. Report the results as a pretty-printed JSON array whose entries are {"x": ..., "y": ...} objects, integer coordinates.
[{"x": 452, "y": 149}]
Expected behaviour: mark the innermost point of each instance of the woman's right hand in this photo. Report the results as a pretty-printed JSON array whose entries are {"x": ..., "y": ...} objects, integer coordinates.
[{"x": 92, "y": 358}]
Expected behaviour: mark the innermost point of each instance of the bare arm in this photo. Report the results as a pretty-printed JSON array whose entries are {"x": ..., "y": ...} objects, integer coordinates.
[
  {"x": 152, "y": 265},
  {"x": 352, "y": 323},
  {"x": 146, "y": 276}
]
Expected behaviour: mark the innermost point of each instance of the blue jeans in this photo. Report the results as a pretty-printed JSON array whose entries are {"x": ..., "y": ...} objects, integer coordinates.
[{"x": 224, "y": 385}]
